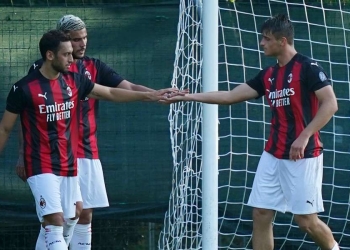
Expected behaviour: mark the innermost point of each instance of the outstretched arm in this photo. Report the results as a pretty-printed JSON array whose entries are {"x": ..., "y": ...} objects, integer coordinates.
[
  {"x": 122, "y": 95},
  {"x": 240, "y": 93},
  {"x": 134, "y": 87},
  {"x": 327, "y": 107},
  {"x": 6, "y": 125}
]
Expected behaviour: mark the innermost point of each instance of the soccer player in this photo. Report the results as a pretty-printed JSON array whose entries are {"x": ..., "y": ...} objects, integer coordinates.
[
  {"x": 48, "y": 102},
  {"x": 302, "y": 101},
  {"x": 91, "y": 180}
]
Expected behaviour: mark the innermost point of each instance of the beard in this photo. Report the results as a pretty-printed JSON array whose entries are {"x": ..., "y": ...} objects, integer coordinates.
[{"x": 59, "y": 68}]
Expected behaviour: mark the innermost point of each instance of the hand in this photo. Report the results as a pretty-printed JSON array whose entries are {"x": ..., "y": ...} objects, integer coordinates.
[
  {"x": 20, "y": 170},
  {"x": 159, "y": 94},
  {"x": 172, "y": 97},
  {"x": 298, "y": 147}
]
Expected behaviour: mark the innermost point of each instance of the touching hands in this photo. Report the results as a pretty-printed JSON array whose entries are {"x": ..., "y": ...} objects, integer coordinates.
[{"x": 175, "y": 96}]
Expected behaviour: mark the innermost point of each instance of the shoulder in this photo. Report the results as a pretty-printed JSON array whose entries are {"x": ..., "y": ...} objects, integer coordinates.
[
  {"x": 307, "y": 62},
  {"x": 37, "y": 64},
  {"x": 87, "y": 59},
  {"x": 33, "y": 76}
]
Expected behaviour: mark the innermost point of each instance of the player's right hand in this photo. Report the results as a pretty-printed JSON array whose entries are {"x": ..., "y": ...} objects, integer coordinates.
[{"x": 20, "y": 170}]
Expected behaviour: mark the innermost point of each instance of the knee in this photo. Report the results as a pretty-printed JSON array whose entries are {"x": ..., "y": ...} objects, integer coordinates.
[
  {"x": 306, "y": 222},
  {"x": 55, "y": 219},
  {"x": 85, "y": 216},
  {"x": 263, "y": 215}
]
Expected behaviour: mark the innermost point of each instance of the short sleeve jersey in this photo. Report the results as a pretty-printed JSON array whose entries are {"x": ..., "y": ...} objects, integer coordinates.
[
  {"x": 290, "y": 92},
  {"x": 97, "y": 72},
  {"x": 49, "y": 111}
]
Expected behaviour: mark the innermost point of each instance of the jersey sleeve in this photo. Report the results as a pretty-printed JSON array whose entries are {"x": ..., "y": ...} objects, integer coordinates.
[
  {"x": 257, "y": 83},
  {"x": 106, "y": 76},
  {"x": 15, "y": 100},
  {"x": 315, "y": 77},
  {"x": 85, "y": 85}
]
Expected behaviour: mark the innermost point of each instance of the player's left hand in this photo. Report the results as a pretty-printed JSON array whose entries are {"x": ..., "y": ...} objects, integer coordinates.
[{"x": 298, "y": 147}]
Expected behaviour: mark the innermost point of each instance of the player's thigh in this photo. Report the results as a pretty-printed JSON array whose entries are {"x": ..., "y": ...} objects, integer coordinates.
[
  {"x": 301, "y": 182},
  {"x": 92, "y": 184},
  {"x": 266, "y": 190},
  {"x": 46, "y": 192}
]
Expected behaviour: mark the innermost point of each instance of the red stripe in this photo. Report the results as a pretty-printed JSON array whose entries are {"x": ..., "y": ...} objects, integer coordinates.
[
  {"x": 296, "y": 100},
  {"x": 314, "y": 109},
  {"x": 41, "y": 123},
  {"x": 282, "y": 136}
]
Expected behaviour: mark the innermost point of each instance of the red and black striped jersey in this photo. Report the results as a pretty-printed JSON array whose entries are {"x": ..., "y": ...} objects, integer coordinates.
[
  {"x": 49, "y": 111},
  {"x": 97, "y": 72},
  {"x": 290, "y": 92}
]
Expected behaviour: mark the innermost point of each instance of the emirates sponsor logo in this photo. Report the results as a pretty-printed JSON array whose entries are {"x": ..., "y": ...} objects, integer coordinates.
[
  {"x": 57, "y": 111},
  {"x": 281, "y": 97}
]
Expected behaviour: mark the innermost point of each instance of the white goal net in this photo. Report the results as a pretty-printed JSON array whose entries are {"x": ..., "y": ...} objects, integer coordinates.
[{"x": 322, "y": 31}]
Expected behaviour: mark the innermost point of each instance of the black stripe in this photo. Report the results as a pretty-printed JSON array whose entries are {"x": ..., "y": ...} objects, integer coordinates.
[
  {"x": 290, "y": 116},
  {"x": 52, "y": 132},
  {"x": 68, "y": 132}
]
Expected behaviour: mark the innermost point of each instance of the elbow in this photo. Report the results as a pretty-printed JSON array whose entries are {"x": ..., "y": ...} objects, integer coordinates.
[{"x": 334, "y": 108}]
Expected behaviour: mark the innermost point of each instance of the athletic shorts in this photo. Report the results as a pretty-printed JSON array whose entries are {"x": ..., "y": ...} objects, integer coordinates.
[
  {"x": 285, "y": 185},
  {"x": 54, "y": 194},
  {"x": 92, "y": 184}
]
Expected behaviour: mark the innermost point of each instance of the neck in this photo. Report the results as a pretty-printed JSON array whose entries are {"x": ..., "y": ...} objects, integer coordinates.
[
  {"x": 48, "y": 72},
  {"x": 286, "y": 56}
]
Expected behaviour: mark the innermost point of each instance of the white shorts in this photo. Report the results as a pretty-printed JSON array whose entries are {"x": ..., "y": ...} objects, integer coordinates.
[
  {"x": 54, "y": 194},
  {"x": 286, "y": 185},
  {"x": 92, "y": 183}
]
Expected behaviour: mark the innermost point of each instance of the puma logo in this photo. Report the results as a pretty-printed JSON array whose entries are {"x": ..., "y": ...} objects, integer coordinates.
[
  {"x": 35, "y": 65},
  {"x": 311, "y": 203},
  {"x": 43, "y": 95},
  {"x": 14, "y": 88},
  {"x": 271, "y": 80}
]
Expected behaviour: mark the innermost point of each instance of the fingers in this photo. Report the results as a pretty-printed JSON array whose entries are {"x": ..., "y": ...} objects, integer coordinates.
[{"x": 296, "y": 154}]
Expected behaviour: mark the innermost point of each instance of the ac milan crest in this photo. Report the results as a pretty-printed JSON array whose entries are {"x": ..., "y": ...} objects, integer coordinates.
[
  {"x": 42, "y": 202},
  {"x": 69, "y": 91},
  {"x": 88, "y": 75}
]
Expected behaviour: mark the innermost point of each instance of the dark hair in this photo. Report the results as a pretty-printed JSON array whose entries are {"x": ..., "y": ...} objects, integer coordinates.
[
  {"x": 51, "y": 40},
  {"x": 279, "y": 26}
]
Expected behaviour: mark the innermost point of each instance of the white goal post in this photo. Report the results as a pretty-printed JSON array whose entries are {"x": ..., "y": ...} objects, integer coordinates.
[{"x": 322, "y": 31}]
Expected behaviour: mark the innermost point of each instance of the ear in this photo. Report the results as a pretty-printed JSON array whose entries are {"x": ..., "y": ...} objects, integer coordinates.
[
  {"x": 50, "y": 55},
  {"x": 283, "y": 41}
]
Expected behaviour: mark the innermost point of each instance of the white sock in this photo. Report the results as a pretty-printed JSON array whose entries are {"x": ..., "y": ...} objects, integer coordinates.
[
  {"x": 81, "y": 237},
  {"x": 336, "y": 247},
  {"x": 54, "y": 238},
  {"x": 68, "y": 229},
  {"x": 40, "y": 242}
]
